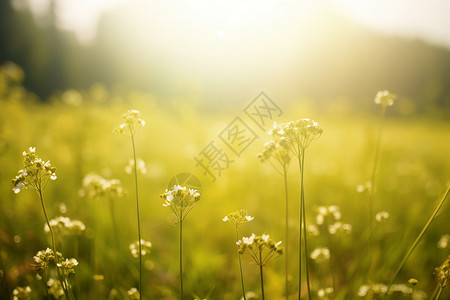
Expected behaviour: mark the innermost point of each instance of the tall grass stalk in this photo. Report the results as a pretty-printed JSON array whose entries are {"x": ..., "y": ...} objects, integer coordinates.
[
  {"x": 64, "y": 286},
  {"x": 240, "y": 265},
  {"x": 419, "y": 237},
  {"x": 286, "y": 270},
  {"x": 261, "y": 276},
  {"x": 181, "y": 256},
  {"x": 302, "y": 221},
  {"x": 138, "y": 218}
]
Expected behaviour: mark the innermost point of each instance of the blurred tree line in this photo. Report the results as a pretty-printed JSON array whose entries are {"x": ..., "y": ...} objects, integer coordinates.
[{"x": 354, "y": 62}]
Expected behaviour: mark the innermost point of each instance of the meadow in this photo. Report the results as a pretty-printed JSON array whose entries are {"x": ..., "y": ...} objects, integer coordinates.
[{"x": 74, "y": 130}]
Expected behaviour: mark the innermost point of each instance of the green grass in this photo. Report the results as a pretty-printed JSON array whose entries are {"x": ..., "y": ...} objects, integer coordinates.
[{"x": 412, "y": 174}]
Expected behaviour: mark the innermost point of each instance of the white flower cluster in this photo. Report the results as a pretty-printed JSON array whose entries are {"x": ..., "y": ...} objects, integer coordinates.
[
  {"x": 145, "y": 246},
  {"x": 65, "y": 226},
  {"x": 131, "y": 122},
  {"x": 95, "y": 186},
  {"x": 140, "y": 166},
  {"x": 260, "y": 248},
  {"x": 35, "y": 173},
  {"x": 181, "y": 200},
  {"x": 238, "y": 217}
]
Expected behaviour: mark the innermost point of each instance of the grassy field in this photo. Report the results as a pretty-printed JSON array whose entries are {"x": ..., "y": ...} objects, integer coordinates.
[{"x": 74, "y": 132}]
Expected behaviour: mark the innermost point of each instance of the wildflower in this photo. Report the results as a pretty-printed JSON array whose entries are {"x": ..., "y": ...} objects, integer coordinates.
[
  {"x": 21, "y": 293},
  {"x": 131, "y": 122},
  {"x": 339, "y": 227},
  {"x": 43, "y": 258},
  {"x": 35, "y": 173},
  {"x": 67, "y": 266},
  {"x": 325, "y": 293},
  {"x": 320, "y": 254},
  {"x": 250, "y": 295},
  {"x": 145, "y": 248},
  {"x": 364, "y": 187},
  {"x": 442, "y": 273},
  {"x": 381, "y": 216},
  {"x": 54, "y": 288},
  {"x": 181, "y": 200},
  {"x": 444, "y": 241},
  {"x": 140, "y": 166},
  {"x": 274, "y": 150},
  {"x": 260, "y": 248},
  {"x": 413, "y": 281},
  {"x": 313, "y": 230},
  {"x": 385, "y": 98},
  {"x": 96, "y": 186},
  {"x": 238, "y": 217},
  {"x": 133, "y": 293},
  {"x": 65, "y": 226},
  {"x": 297, "y": 135}
]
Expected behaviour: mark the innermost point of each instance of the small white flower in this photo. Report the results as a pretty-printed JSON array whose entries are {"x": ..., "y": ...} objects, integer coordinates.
[
  {"x": 265, "y": 237},
  {"x": 249, "y": 218},
  {"x": 225, "y": 219},
  {"x": 53, "y": 176}
]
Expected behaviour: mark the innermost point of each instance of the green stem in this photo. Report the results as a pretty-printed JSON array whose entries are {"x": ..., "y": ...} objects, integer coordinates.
[
  {"x": 439, "y": 292},
  {"x": 372, "y": 187},
  {"x": 181, "y": 259},
  {"x": 41, "y": 197},
  {"x": 261, "y": 275},
  {"x": 304, "y": 225},
  {"x": 138, "y": 219},
  {"x": 286, "y": 233},
  {"x": 114, "y": 222},
  {"x": 419, "y": 237},
  {"x": 436, "y": 289},
  {"x": 300, "y": 228},
  {"x": 240, "y": 265}
]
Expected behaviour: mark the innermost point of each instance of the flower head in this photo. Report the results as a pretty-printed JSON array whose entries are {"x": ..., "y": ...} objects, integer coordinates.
[
  {"x": 55, "y": 288},
  {"x": 43, "y": 258},
  {"x": 131, "y": 122},
  {"x": 140, "y": 166},
  {"x": 385, "y": 98},
  {"x": 382, "y": 216},
  {"x": 277, "y": 151},
  {"x": 260, "y": 248},
  {"x": 21, "y": 293},
  {"x": 238, "y": 217},
  {"x": 35, "y": 174},
  {"x": 133, "y": 293},
  {"x": 145, "y": 246},
  {"x": 67, "y": 266},
  {"x": 442, "y": 273},
  {"x": 95, "y": 186},
  {"x": 181, "y": 200},
  {"x": 320, "y": 255},
  {"x": 297, "y": 135},
  {"x": 444, "y": 241},
  {"x": 65, "y": 226}
]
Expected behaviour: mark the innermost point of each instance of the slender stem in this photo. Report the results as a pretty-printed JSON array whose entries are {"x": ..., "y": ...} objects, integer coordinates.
[
  {"x": 261, "y": 275},
  {"x": 41, "y": 197},
  {"x": 44, "y": 281},
  {"x": 240, "y": 265},
  {"x": 138, "y": 219},
  {"x": 419, "y": 237},
  {"x": 286, "y": 233},
  {"x": 304, "y": 225},
  {"x": 300, "y": 228},
  {"x": 439, "y": 292},
  {"x": 181, "y": 259},
  {"x": 372, "y": 187},
  {"x": 436, "y": 289},
  {"x": 114, "y": 222}
]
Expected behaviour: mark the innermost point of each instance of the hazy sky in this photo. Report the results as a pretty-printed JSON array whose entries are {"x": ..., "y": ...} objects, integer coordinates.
[{"x": 426, "y": 19}]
